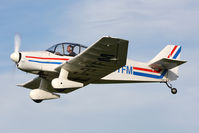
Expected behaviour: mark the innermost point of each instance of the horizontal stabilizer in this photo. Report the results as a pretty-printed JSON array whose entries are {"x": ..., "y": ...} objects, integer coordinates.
[{"x": 166, "y": 63}]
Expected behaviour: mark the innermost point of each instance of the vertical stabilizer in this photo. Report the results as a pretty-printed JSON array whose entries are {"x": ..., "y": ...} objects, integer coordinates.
[{"x": 170, "y": 51}]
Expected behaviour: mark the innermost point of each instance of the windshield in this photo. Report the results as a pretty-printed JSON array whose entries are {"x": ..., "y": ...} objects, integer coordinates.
[{"x": 51, "y": 49}]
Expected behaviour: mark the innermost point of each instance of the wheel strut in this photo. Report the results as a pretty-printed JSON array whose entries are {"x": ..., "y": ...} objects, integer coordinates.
[{"x": 173, "y": 90}]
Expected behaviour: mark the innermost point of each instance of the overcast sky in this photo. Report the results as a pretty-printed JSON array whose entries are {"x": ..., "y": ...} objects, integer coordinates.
[{"x": 149, "y": 25}]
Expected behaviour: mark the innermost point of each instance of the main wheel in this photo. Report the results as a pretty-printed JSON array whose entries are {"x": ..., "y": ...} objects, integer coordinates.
[
  {"x": 173, "y": 90},
  {"x": 38, "y": 101}
]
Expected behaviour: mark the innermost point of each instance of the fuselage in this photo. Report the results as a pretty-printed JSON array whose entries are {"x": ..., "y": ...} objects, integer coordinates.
[{"x": 46, "y": 63}]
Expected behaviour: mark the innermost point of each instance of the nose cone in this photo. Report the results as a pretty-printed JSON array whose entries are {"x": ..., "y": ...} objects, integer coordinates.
[{"x": 14, "y": 57}]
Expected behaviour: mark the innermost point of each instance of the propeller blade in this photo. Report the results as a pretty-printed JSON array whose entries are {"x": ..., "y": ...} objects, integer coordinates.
[{"x": 17, "y": 42}]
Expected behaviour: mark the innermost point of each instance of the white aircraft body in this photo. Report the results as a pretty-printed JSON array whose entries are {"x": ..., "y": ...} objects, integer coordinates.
[{"x": 66, "y": 67}]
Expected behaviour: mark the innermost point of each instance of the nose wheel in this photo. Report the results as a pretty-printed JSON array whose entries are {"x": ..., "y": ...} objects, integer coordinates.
[{"x": 173, "y": 90}]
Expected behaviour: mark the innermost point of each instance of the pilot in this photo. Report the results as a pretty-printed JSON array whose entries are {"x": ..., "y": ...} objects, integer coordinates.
[{"x": 70, "y": 51}]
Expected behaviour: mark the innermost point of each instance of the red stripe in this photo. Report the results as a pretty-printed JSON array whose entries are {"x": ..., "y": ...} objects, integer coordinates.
[
  {"x": 172, "y": 51},
  {"x": 147, "y": 70},
  {"x": 47, "y": 58}
]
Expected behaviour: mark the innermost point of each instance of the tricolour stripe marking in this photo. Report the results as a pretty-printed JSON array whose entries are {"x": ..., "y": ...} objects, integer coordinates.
[
  {"x": 172, "y": 51},
  {"x": 150, "y": 75},
  {"x": 147, "y": 70},
  {"x": 33, "y": 57},
  {"x": 177, "y": 53},
  {"x": 46, "y": 62}
]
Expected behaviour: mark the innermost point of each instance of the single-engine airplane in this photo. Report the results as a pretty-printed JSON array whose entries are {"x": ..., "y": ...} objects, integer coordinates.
[{"x": 66, "y": 67}]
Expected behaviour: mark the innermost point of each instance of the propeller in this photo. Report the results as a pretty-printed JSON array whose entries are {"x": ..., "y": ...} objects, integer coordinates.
[
  {"x": 17, "y": 42},
  {"x": 16, "y": 55}
]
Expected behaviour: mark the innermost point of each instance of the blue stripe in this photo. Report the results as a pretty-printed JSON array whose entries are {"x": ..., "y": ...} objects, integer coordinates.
[
  {"x": 177, "y": 53},
  {"x": 46, "y": 62},
  {"x": 150, "y": 75}
]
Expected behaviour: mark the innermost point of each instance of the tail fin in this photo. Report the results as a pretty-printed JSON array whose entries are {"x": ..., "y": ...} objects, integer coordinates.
[
  {"x": 168, "y": 58},
  {"x": 170, "y": 51}
]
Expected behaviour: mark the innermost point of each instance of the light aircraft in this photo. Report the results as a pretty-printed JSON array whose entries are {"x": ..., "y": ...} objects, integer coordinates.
[{"x": 66, "y": 67}]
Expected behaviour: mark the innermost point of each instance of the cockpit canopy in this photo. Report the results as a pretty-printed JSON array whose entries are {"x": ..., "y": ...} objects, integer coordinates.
[{"x": 66, "y": 49}]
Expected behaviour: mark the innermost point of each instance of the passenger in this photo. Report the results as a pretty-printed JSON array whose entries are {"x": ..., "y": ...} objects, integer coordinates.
[{"x": 70, "y": 51}]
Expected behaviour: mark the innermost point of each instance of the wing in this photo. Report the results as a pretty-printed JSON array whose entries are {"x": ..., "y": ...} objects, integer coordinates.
[
  {"x": 35, "y": 83},
  {"x": 32, "y": 84},
  {"x": 100, "y": 59}
]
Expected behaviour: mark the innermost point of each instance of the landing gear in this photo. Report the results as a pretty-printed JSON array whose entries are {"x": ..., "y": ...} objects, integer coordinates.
[
  {"x": 42, "y": 93},
  {"x": 173, "y": 90},
  {"x": 38, "y": 101}
]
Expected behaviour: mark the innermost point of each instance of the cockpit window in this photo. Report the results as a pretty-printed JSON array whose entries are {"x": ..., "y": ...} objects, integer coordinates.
[
  {"x": 71, "y": 50},
  {"x": 59, "y": 50},
  {"x": 82, "y": 49},
  {"x": 66, "y": 49}
]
